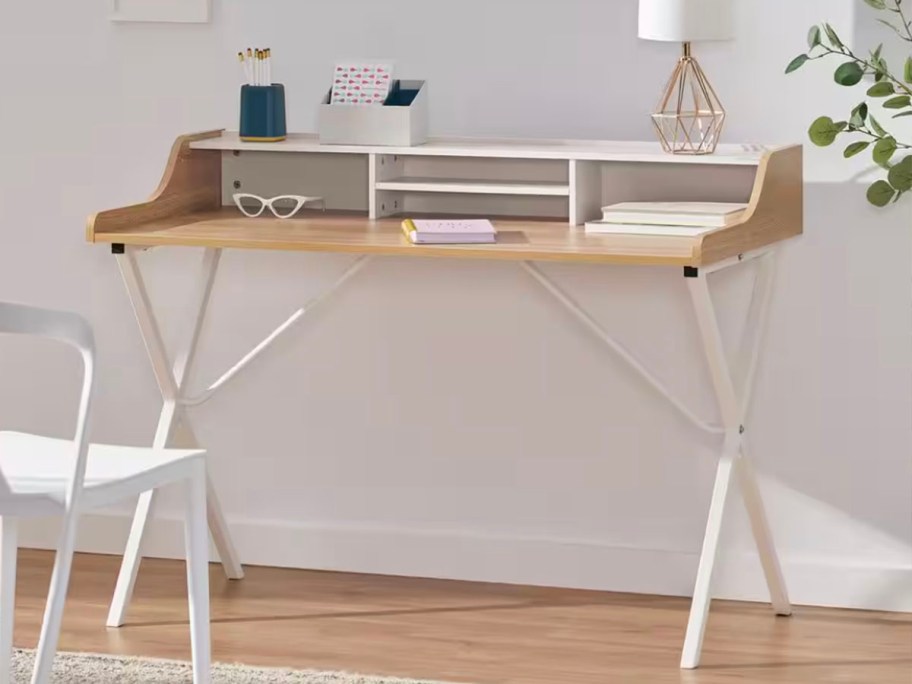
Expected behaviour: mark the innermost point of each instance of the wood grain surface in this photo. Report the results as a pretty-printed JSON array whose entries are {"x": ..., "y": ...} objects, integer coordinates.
[{"x": 465, "y": 632}]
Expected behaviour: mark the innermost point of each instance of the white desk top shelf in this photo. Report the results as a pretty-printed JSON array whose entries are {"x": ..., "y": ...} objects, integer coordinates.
[
  {"x": 503, "y": 148},
  {"x": 538, "y": 192}
]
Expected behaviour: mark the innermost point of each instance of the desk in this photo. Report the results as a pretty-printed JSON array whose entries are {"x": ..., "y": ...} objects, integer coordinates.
[{"x": 364, "y": 187}]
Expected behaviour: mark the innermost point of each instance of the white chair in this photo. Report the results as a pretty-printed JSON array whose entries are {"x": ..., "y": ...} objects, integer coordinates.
[{"x": 40, "y": 476}]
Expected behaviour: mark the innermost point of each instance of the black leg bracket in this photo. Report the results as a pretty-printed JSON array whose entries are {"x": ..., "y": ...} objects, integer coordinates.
[
  {"x": 118, "y": 248},
  {"x": 691, "y": 272}
]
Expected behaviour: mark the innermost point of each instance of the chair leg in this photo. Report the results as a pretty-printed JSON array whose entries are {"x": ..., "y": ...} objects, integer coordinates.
[
  {"x": 8, "y": 550},
  {"x": 53, "y": 613},
  {"x": 197, "y": 545}
]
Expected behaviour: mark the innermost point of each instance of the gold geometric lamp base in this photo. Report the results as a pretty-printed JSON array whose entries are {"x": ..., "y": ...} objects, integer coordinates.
[{"x": 690, "y": 117}]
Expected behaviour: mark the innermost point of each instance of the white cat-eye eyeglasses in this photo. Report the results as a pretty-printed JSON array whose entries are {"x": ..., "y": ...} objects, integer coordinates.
[{"x": 283, "y": 206}]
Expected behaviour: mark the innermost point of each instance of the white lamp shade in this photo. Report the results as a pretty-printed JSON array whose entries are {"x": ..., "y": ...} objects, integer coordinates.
[{"x": 683, "y": 21}]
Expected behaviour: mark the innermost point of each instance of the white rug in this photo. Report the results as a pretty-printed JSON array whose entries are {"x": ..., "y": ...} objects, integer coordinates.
[{"x": 75, "y": 668}]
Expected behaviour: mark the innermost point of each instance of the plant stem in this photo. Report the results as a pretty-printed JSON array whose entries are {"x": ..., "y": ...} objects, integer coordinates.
[
  {"x": 865, "y": 131},
  {"x": 845, "y": 52},
  {"x": 907, "y": 25}
]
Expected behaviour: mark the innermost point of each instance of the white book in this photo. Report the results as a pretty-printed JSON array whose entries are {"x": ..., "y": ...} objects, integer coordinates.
[
  {"x": 707, "y": 214},
  {"x": 607, "y": 228}
]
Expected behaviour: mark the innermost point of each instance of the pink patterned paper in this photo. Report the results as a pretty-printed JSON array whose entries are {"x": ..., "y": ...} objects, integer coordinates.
[{"x": 361, "y": 84}]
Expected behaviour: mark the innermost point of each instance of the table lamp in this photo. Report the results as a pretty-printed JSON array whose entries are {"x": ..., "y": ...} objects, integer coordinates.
[{"x": 689, "y": 117}]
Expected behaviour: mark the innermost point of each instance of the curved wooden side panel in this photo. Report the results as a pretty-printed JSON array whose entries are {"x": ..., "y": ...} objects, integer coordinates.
[
  {"x": 192, "y": 181},
  {"x": 775, "y": 212}
]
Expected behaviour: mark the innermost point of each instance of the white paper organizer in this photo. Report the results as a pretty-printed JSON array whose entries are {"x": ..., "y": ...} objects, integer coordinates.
[{"x": 402, "y": 121}]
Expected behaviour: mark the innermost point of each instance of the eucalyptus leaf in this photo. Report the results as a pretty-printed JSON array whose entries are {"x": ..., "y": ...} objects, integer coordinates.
[
  {"x": 855, "y": 148},
  {"x": 884, "y": 150},
  {"x": 877, "y": 4},
  {"x": 899, "y": 102},
  {"x": 823, "y": 131},
  {"x": 796, "y": 63},
  {"x": 880, "y": 193},
  {"x": 814, "y": 37},
  {"x": 907, "y": 75},
  {"x": 859, "y": 115},
  {"x": 881, "y": 65},
  {"x": 849, "y": 74},
  {"x": 833, "y": 36},
  {"x": 900, "y": 175},
  {"x": 882, "y": 89},
  {"x": 901, "y": 115},
  {"x": 875, "y": 124}
]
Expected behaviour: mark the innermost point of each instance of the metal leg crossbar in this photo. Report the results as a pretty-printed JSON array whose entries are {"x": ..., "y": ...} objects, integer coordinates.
[{"x": 732, "y": 389}]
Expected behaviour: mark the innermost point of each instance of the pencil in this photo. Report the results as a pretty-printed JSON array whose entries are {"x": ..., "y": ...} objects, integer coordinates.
[{"x": 246, "y": 67}]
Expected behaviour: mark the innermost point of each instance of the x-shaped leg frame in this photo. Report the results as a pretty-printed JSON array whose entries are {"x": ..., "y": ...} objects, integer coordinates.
[
  {"x": 733, "y": 388},
  {"x": 732, "y": 385},
  {"x": 174, "y": 429}
]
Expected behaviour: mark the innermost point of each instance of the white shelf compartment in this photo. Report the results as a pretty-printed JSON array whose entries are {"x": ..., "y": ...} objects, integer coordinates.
[{"x": 490, "y": 186}]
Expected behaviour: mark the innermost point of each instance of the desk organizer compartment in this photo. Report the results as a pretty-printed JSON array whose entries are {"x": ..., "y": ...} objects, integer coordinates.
[
  {"x": 481, "y": 186},
  {"x": 340, "y": 179},
  {"x": 263, "y": 113},
  {"x": 401, "y": 121}
]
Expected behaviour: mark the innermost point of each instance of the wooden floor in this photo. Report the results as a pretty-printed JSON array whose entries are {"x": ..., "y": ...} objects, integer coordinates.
[{"x": 463, "y": 632}]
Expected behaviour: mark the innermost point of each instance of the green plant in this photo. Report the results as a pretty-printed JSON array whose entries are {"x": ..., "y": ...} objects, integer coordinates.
[{"x": 892, "y": 90}]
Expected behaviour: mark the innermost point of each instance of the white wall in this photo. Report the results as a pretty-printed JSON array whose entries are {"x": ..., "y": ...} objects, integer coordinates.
[{"x": 533, "y": 456}]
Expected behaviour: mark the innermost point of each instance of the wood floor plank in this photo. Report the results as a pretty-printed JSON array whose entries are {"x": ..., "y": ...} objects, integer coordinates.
[{"x": 465, "y": 632}]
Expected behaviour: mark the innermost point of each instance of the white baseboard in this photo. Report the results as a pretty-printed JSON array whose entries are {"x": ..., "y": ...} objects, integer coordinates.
[{"x": 513, "y": 560}]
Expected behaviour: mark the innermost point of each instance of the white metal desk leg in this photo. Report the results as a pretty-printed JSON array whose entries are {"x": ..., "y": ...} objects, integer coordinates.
[
  {"x": 170, "y": 381},
  {"x": 129, "y": 566},
  {"x": 730, "y": 408},
  {"x": 221, "y": 535},
  {"x": 733, "y": 407},
  {"x": 747, "y": 367},
  {"x": 218, "y": 527},
  {"x": 763, "y": 537},
  {"x": 702, "y": 597}
]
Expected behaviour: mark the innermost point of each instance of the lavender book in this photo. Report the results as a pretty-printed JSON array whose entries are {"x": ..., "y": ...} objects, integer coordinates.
[{"x": 460, "y": 232}]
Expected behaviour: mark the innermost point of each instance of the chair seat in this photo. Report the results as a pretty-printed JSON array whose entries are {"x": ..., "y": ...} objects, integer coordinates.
[{"x": 43, "y": 466}]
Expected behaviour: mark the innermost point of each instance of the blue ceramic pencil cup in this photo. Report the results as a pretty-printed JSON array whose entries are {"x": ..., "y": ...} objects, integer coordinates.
[{"x": 263, "y": 113}]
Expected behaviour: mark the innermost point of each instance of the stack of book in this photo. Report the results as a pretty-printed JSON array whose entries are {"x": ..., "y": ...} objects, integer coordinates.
[
  {"x": 463, "y": 232},
  {"x": 683, "y": 219}
]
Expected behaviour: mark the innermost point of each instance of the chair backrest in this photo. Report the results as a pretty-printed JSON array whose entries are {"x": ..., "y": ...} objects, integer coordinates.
[{"x": 75, "y": 331}]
